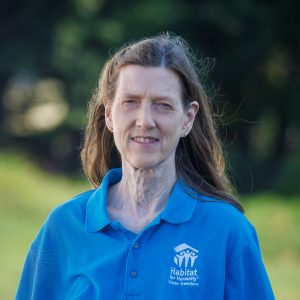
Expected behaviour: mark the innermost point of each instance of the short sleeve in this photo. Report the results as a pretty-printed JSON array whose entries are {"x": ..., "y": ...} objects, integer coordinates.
[
  {"x": 40, "y": 275},
  {"x": 246, "y": 277}
]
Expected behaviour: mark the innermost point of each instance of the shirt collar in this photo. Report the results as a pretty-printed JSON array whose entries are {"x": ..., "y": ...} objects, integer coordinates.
[
  {"x": 179, "y": 208},
  {"x": 181, "y": 204},
  {"x": 96, "y": 211}
]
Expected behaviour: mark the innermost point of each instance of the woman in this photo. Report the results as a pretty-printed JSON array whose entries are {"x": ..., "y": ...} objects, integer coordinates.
[{"x": 164, "y": 225}]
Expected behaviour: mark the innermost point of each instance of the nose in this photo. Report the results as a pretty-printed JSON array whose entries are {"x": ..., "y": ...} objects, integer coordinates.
[{"x": 145, "y": 118}]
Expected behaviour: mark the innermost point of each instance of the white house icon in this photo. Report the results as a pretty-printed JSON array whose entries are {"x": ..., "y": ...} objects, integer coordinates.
[{"x": 186, "y": 254}]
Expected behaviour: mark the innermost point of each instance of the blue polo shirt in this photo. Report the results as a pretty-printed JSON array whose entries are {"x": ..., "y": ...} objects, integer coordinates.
[{"x": 197, "y": 248}]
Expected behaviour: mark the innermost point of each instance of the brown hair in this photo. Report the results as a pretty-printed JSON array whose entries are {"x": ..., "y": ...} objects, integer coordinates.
[{"x": 199, "y": 159}]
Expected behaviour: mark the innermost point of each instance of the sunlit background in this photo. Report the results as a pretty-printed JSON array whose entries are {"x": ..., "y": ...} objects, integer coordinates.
[{"x": 51, "y": 54}]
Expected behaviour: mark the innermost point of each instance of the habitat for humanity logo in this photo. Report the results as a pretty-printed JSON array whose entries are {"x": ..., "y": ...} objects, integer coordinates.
[{"x": 184, "y": 272}]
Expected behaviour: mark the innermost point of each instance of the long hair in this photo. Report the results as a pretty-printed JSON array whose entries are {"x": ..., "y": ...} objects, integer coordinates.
[{"x": 199, "y": 158}]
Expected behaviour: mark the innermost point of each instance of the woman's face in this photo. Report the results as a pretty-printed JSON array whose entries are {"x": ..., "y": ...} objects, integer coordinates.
[{"x": 147, "y": 115}]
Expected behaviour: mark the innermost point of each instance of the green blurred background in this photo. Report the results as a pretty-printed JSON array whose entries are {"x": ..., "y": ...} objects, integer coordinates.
[{"x": 51, "y": 54}]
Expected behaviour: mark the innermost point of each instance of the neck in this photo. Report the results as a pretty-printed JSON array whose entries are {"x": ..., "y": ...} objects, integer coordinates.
[{"x": 143, "y": 192}]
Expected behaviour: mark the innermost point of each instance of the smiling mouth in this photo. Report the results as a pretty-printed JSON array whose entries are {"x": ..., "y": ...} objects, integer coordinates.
[{"x": 144, "y": 140}]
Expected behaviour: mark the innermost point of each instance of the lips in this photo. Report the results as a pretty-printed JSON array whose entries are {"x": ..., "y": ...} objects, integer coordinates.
[{"x": 144, "y": 140}]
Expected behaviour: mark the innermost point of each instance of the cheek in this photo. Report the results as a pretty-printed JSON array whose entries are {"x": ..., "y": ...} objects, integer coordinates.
[
  {"x": 120, "y": 139},
  {"x": 117, "y": 136},
  {"x": 174, "y": 127},
  {"x": 172, "y": 136}
]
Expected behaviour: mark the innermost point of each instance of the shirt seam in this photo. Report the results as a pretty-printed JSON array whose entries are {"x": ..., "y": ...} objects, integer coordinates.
[{"x": 236, "y": 259}]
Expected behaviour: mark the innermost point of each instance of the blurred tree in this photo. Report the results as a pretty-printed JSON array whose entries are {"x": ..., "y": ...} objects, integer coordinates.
[{"x": 62, "y": 45}]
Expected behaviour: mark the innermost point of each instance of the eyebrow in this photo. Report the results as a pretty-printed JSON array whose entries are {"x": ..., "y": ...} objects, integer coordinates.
[
  {"x": 134, "y": 96},
  {"x": 155, "y": 98},
  {"x": 165, "y": 98}
]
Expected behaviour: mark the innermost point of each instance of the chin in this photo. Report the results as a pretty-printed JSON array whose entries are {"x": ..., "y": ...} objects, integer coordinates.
[{"x": 143, "y": 164}]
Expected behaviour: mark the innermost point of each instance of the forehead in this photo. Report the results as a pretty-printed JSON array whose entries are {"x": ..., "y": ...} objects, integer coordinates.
[{"x": 148, "y": 81}]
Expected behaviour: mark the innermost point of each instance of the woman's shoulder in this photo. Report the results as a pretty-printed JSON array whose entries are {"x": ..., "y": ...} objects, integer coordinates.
[
  {"x": 224, "y": 215},
  {"x": 221, "y": 207},
  {"x": 64, "y": 218},
  {"x": 66, "y": 213},
  {"x": 226, "y": 223},
  {"x": 74, "y": 204}
]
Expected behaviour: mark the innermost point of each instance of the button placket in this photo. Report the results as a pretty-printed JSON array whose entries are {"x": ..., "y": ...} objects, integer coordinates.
[
  {"x": 134, "y": 272},
  {"x": 134, "y": 269}
]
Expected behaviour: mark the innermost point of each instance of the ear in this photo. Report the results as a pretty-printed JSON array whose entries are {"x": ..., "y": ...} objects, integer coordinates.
[
  {"x": 108, "y": 117},
  {"x": 190, "y": 115}
]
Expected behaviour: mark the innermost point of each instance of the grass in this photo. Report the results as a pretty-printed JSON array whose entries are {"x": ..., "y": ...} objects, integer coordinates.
[
  {"x": 28, "y": 194},
  {"x": 277, "y": 221}
]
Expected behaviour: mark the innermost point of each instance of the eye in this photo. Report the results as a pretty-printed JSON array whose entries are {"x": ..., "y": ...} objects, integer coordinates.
[
  {"x": 129, "y": 102},
  {"x": 164, "y": 106}
]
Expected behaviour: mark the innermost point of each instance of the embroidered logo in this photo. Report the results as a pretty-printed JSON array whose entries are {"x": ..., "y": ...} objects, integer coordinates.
[
  {"x": 185, "y": 254},
  {"x": 184, "y": 273}
]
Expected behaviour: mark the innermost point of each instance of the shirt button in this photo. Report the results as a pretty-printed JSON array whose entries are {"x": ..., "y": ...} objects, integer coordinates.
[
  {"x": 133, "y": 274},
  {"x": 136, "y": 245}
]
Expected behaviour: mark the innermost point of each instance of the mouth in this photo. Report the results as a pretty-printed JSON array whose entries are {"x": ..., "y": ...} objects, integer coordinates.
[{"x": 145, "y": 139}]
